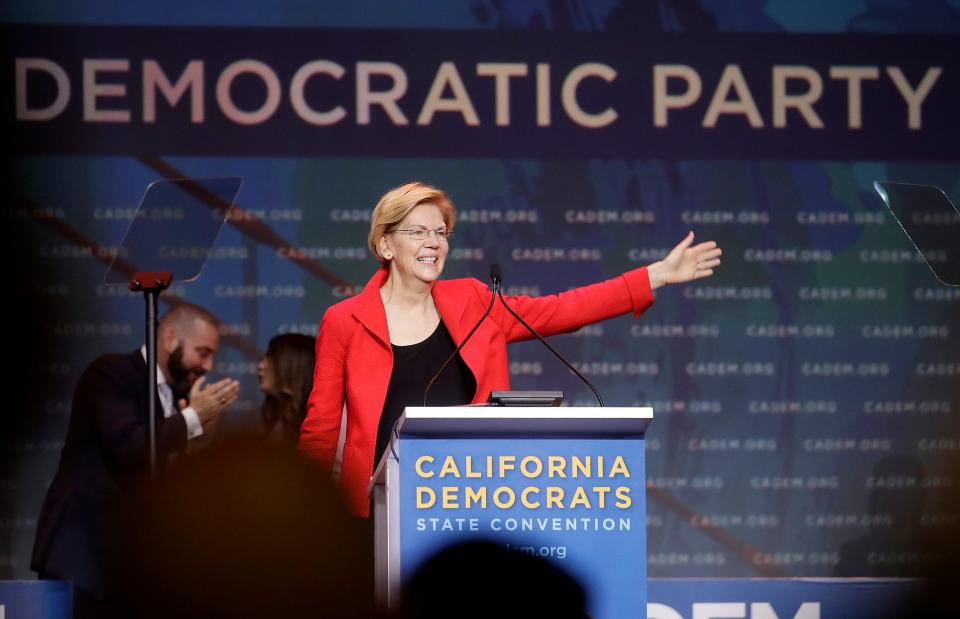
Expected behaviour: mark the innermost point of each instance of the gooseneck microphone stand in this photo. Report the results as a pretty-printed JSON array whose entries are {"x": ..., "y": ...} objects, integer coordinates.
[
  {"x": 493, "y": 297},
  {"x": 496, "y": 273}
]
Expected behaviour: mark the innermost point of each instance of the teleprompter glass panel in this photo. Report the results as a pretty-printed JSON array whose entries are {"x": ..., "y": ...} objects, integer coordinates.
[
  {"x": 174, "y": 228},
  {"x": 930, "y": 221}
]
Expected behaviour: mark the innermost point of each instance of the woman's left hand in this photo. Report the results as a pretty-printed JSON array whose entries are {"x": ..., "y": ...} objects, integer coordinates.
[{"x": 685, "y": 263}]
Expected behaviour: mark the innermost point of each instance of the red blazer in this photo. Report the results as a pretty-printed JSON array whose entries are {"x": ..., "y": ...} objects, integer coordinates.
[{"x": 355, "y": 360}]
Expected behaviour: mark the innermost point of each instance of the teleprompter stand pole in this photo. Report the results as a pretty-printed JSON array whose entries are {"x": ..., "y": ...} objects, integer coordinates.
[{"x": 151, "y": 284}]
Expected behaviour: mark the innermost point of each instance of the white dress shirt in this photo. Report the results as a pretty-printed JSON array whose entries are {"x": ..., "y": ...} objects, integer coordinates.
[{"x": 194, "y": 427}]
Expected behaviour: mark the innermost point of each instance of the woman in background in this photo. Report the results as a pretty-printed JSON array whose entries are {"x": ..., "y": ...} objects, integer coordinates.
[{"x": 286, "y": 378}]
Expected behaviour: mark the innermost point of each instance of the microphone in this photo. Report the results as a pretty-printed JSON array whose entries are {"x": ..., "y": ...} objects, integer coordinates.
[
  {"x": 496, "y": 274},
  {"x": 496, "y": 286}
]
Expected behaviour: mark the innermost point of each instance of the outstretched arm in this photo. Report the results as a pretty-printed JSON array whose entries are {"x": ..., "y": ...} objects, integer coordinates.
[
  {"x": 570, "y": 310},
  {"x": 629, "y": 292}
]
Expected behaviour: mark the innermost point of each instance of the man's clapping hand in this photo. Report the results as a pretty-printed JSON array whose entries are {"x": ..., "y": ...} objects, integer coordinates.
[{"x": 210, "y": 400}]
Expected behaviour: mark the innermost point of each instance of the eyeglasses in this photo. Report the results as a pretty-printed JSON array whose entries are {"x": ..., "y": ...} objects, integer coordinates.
[{"x": 421, "y": 234}]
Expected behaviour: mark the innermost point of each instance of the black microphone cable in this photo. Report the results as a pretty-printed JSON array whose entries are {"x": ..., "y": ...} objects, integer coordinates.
[
  {"x": 436, "y": 377},
  {"x": 497, "y": 275}
]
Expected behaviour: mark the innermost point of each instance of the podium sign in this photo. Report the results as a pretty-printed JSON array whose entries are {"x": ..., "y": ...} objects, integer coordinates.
[{"x": 564, "y": 484}]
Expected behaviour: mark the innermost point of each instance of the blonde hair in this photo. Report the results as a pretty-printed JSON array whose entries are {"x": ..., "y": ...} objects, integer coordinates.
[{"x": 397, "y": 203}]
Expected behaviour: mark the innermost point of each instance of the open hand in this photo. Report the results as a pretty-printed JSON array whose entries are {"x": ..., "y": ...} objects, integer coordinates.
[
  {"x": 685, "y": 262},
  {"x": 210, "y": 400}
]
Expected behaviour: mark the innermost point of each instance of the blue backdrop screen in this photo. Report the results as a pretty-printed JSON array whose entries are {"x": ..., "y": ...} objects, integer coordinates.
[{"x": 805, "y": 398}]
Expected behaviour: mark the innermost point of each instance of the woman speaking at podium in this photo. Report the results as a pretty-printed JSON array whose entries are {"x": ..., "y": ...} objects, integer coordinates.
[{"x": 378, "y": 350}]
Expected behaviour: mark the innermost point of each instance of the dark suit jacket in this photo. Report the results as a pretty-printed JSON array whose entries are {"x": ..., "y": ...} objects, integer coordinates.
[{"x": 105, "y": 450}]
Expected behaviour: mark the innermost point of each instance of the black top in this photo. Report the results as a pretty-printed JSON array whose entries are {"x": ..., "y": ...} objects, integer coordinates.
[{"x": 413, "y": 367}]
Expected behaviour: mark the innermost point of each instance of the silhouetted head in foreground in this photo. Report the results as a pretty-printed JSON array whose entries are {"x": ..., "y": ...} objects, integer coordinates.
[
  {"x": 244, "y": 529},
  {"x": 486, "y": 579}
]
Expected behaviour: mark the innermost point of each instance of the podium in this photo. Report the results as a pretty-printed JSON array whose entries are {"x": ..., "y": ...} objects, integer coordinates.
[{"x": 565, "y": 484}]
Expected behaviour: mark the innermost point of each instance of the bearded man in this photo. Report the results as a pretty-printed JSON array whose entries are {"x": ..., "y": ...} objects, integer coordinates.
[{"x": 106, "y": 449}]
